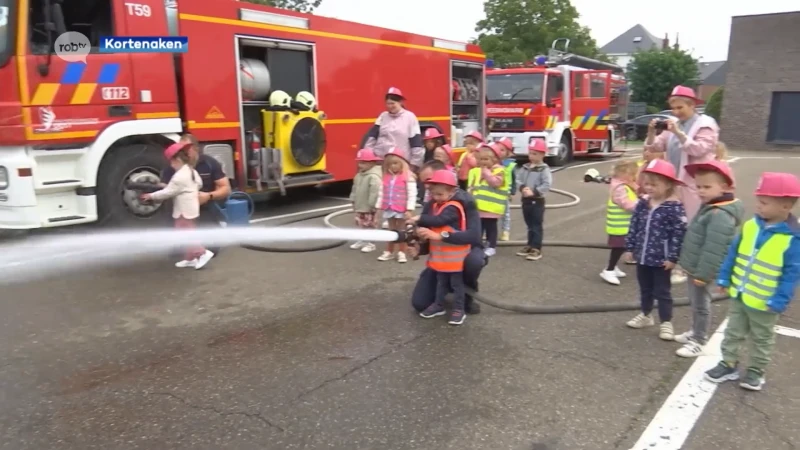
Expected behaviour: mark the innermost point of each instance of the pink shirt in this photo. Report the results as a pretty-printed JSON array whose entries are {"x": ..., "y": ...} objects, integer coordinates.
[{"x": 396, "y": 130}]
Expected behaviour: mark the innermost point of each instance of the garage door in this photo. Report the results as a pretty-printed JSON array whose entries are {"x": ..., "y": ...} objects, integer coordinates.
[{"x": 783, "y": 118}]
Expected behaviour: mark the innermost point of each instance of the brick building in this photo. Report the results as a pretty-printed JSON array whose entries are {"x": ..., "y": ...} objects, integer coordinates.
[{"x": 761, "y": 107}]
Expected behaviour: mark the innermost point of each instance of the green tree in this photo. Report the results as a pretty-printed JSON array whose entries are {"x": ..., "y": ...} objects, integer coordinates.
[
  {"x": 305, "y": 6},
  {"x": 714, "y": 106},
  {"x": 653, "y": 74},
  {"x": 518, "y": 30}
]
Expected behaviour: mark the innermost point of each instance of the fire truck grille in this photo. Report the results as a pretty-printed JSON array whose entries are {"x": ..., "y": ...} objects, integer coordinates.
[
  {"x": 506, "y": 123},
  {"x": 308, "y": 141}
]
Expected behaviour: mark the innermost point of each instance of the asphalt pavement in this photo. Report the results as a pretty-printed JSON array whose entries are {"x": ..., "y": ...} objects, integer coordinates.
[{"x": 323, "y": 351}]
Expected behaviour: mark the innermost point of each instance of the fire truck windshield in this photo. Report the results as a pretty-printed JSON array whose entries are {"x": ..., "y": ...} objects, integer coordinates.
[
  {"x": 514, "y": 87},
  {"x": 5, "y": 31}
]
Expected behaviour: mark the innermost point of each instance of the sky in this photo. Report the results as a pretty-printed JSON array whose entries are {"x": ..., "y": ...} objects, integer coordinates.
[{"x": 703, "y": 26}]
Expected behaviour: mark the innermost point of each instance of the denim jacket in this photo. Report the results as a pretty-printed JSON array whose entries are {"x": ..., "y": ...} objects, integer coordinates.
[{"x": 656, "y": 235}]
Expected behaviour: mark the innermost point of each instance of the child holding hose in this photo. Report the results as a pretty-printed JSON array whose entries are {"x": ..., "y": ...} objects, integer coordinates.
[{"x": 183, "y": 188}]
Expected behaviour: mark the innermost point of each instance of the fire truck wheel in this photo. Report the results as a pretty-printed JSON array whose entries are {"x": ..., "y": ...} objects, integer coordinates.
[
  {"x": 117, "y": 206},
  {"x": 564, "y": 152}
]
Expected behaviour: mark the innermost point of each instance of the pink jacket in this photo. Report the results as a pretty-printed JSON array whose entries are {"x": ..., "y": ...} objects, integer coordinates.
[
  {"x": 619, "y": 195},
  {"x": 183, "y": 189},
  {"x": 698, "y": 148},
  {"x": 397, "y": 130}
]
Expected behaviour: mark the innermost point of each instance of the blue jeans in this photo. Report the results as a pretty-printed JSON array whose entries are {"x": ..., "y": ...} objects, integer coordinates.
[{"x": 506, "y": 220}]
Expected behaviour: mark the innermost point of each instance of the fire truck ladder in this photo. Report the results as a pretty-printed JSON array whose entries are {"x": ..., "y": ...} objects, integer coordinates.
[{"x": 556, "y": 57}]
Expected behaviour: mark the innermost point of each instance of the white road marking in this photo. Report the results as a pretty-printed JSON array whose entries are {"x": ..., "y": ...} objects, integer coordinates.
[
  {"x": 790, "y": 332},
  {"x": 680, "y": 412},
  {"x": 676, "y": 418}
]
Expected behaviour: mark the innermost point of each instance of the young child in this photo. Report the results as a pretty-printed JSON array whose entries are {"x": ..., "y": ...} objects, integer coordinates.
[
  {"x": 447, "y": 260},
  {"x": 487, "y": 183},
  {"x": 397, "y": 199},
  {"x": 706, "y": 243},
  {"x": 655, "y": 237},
  {"x": 510, "y": 164},
  {"x": 647, "y": 156},
  {"x": 183, "y": 189},
  {"x": 445, "y": 155},
  {"x": 760, "y": 273},
  {"x": 432, "y": 139},
  {"x": 534, "y": 181},
  {"x": 621, "y": 203},
  {"x": 367, "y": 185},
  {"x": 468, "y": 159}
]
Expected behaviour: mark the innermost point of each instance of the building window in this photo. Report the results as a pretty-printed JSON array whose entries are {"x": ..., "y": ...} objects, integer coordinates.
[{"x": 783, "y": 115}]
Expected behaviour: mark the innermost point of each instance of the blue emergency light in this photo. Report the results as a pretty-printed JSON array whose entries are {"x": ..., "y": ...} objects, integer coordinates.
[
  {"x": 540, "y": 60},
  {"x": 490, "y": 63}
]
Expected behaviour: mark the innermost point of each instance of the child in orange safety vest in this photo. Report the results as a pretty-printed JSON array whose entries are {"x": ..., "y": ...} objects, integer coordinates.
[{"x": 447, "y": 260}]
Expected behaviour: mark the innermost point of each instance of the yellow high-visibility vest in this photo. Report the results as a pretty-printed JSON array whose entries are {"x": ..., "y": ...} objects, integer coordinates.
[
  {"x": 488, "y": 199},
  {"x": 618, "y": 220},
  {"x": 756, "y": 272}
]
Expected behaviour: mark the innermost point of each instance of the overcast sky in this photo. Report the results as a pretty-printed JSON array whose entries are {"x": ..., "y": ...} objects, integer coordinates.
[{"x": 703, "y": 25}]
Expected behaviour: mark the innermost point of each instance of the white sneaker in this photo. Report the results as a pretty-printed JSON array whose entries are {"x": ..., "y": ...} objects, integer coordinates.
[
  {"x": 386, "y": 256},
  {"x": 204, "y": 259},
  {"x": 186, "y": 263},
  {"x": 619, "y": 273},
  {"x": 385, "y": 225},
  {"x": 684, "y": 338},
  {"x": 401, "y": 257},
  {"x": 357, "y": 245},
  {"x": 678, "y": 277},
  {"x": 666, "y": 332},
  {"x": 690, "y": 350},
  {"x": 641, "y": 321},
  {"x": 490, "y": 251},
  {"x": 610, "y": 277},
  {"x": 368, "y": 248}
]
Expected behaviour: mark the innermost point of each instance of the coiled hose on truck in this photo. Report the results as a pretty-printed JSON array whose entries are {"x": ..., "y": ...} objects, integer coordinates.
[{"x": 518, "y": 308}]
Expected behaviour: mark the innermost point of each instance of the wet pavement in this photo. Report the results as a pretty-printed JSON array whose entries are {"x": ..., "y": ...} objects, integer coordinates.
[{"x": 322, "y": 351}]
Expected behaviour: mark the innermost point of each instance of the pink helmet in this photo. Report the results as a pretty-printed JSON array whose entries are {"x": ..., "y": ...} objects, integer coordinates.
[
  {"x": 173, "y": 149},
  {"x": 366, "y": 155},
  {"x": 445, "y": 177},
  {"x": 396, "y": 92},
  {"x": 495, "y": 148},
  {"x": 720, "y": 167},
  {"x": 506, "y": 142},
  {"x": 449, "y": 150},
  {"x": 778, "y": 184},
  {"x": 432, "y": 133},
  {"x": 663, "y": 168},
  {"x": 537, "y": 145},
  {"x": 397, "y": 152},
  {"x": 686, "y": 92},
  {"x": 474, "y": 135}
]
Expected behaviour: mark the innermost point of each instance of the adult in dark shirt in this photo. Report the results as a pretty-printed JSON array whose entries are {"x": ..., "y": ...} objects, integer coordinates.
[
  {"x": 216, "y": 186},
  {"x": 425, "y": 290}
]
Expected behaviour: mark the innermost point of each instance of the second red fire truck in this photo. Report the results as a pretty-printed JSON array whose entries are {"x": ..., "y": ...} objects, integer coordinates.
[{"x": 569, "y": 101}]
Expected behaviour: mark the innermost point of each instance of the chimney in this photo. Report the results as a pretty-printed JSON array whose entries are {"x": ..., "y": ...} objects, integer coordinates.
[
  {"x": 677, "y": 45},
  {"x": 665, "y": 43}
]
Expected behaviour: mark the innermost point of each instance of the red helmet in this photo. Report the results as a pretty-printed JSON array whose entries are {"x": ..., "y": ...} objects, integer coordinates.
[
  {"x": 777, "y": 184},
  {"x": 432, "y": 133},
  {"x": 445, "y": 177},
  {"x": 396, "y": 92}
]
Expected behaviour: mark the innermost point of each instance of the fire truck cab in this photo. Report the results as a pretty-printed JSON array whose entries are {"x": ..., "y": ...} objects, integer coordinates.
[
  {"x": 75, "y": 134},
  {"x": 569, "y": 101}
]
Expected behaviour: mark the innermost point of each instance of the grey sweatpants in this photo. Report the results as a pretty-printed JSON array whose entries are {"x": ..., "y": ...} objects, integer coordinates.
[{"x": 700, "y": 299}]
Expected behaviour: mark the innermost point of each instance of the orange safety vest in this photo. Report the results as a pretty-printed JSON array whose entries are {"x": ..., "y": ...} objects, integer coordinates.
[{"x": 446, "y": 257}]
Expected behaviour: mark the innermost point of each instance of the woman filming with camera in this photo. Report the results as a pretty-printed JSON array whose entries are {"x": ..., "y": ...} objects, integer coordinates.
[{"x": 690, "y": 138}]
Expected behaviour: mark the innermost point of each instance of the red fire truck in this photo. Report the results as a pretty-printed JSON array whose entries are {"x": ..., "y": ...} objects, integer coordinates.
[
  {"x": 569, "y": 101},
  {"x": 72, "y": 135}
]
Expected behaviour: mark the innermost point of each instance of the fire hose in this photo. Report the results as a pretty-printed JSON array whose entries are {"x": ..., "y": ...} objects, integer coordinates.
[{"x": 518, "y": 308}]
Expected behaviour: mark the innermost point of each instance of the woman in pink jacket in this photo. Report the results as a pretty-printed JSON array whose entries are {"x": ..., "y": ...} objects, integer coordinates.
[
  {"x": 397, "y": 128},
  {"x": 691, "y": 139}
]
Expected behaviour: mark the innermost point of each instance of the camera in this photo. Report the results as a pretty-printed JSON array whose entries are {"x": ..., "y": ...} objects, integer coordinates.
[{"x": 661, "y": 125}]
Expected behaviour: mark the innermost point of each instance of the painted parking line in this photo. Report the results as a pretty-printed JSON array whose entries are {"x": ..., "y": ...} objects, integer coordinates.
[{"x": 680, "y": 412}]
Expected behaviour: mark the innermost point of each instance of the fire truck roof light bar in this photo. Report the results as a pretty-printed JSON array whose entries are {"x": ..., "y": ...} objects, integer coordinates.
[
  {"x": 251, "y": 15},
  {"x": 450, "y": 45}
]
